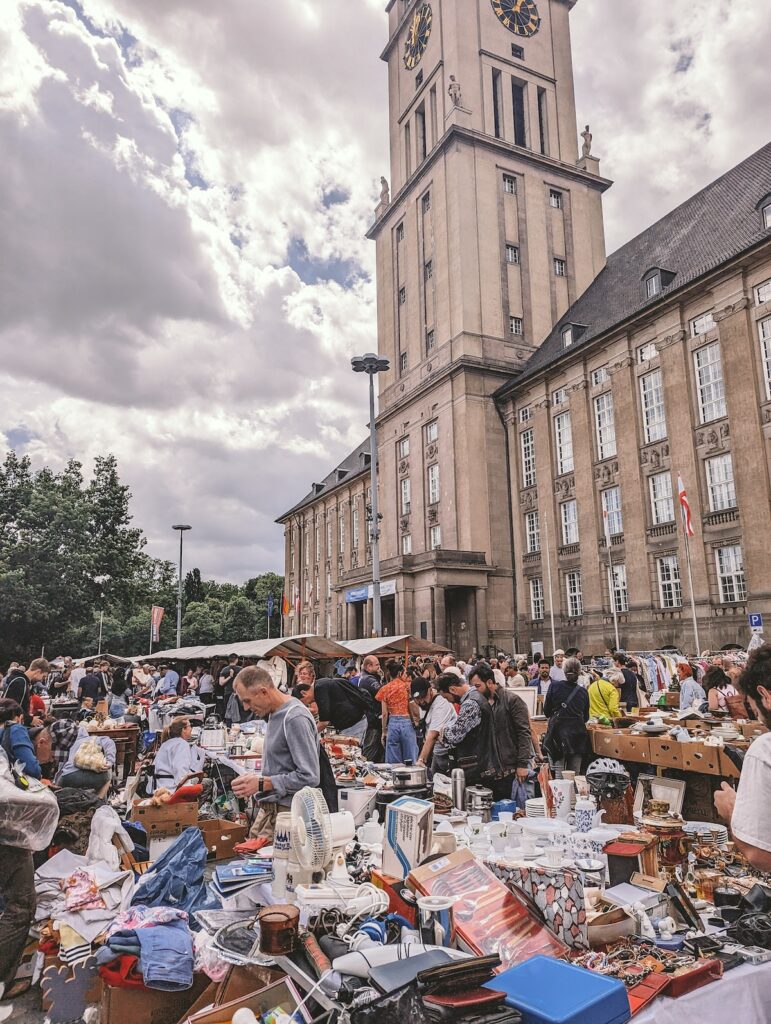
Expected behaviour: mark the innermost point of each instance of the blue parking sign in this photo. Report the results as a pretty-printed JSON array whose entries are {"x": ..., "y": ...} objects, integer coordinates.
[{"x": 756, "y": 621}]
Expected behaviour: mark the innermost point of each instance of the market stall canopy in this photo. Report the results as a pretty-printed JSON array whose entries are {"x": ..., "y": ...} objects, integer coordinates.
[
  {"x": 395, "y": 645},
  {"x": 113, "y": 659},
  {"x": 288, "y": 647}
]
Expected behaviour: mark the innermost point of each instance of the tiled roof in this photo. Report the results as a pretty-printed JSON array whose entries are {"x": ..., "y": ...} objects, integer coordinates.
[
  {"x": 353, "y": 465},
  {"x": 709, "y": 229}
]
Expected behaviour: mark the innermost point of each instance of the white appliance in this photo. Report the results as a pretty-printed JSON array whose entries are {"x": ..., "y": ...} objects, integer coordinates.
[{"x": 360, "y": 802}]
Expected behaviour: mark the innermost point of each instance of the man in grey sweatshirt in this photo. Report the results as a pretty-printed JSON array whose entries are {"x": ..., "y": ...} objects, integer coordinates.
[{"x": 290, "y": 757}]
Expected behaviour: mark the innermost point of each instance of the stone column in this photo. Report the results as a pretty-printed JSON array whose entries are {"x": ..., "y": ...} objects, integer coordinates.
[
  {"x": 583, "y": 491},
  {"x": 440, "y": 617}
]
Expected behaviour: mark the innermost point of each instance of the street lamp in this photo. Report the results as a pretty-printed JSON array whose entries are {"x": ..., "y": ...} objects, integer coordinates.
[
  {"x": 101, "y": 580},
  {"x": 182, "y": 528},
  {"x": 372, "y": 364}
]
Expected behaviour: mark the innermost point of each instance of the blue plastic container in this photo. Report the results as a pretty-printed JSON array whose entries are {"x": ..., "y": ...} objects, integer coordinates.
[
  {"x": 502, "y": 805},
  {"x": 550, "y": 991}
]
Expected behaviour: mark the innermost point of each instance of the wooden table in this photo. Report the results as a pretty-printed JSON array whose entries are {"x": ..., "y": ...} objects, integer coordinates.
[{"x": 126, "y": 740}]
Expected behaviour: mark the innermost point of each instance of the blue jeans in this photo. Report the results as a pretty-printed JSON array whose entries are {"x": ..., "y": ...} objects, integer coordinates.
[{"x": 401, "y": 742}]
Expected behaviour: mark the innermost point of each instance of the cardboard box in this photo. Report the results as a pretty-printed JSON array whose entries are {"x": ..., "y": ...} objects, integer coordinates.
[
  {"x": 166, "y": 820},
  {"x": 607, "y": 742},
  {"x": 396, "y": 902},
  {"x": 221, "y": 837},
  {"x": 752, "y": 729},
  {"x": 488, "y": 916},
  {"x": 698, "y": 757},
  {"x": 666, "y": 752},
  {"x": 409, "y": 825},
  {"x": 634, "y": 748},
  {"x": 281, "y": 993},
  {"x": 727, "y": 767},
  {"x": 149, "y": 1006}
]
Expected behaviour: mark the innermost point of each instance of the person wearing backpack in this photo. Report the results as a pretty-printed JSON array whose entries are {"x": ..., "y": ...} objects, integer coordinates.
[
  {"x": 604, "y": 695},
  {"x": 567, "y": 708}
]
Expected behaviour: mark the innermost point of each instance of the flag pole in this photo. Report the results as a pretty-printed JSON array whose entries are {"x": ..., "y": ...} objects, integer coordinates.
[
  {"x": 151, "y": 630},
  {"x": 551, "y": 594},
  {"x": 693, "y": 599},
  {"x": 611, "y": 585}
]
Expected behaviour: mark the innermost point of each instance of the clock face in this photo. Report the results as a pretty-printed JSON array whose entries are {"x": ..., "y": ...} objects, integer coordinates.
[
  {"x": 519, "y": 16},
  {"x": 417, "y": 37}
]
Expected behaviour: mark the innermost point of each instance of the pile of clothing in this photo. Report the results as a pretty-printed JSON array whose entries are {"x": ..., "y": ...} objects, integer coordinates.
[{"x": 149, "y": 947}]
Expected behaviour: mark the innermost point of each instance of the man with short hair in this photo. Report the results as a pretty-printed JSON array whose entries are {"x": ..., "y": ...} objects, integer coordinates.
[
  {"x": 342, "y": 706},
  {"x": 447, "y": 664},
  {"x": 91, "y": 686},
  {"x": 438, "y": 714},
  {"x": 543, "y": 679},
  {"x": 748, "y": 809},
  {"x": 469, "y": 739},
  {"x": 20, "y": 685},
  {"x": 370, "y": 680},
  {"x": 511, "y": 731},
  {"x": 557, "y": 673},
  {"x": 291, "y": 751},
  {"x": 167, "y": 684},
  {"x": 629, "y": 689}
]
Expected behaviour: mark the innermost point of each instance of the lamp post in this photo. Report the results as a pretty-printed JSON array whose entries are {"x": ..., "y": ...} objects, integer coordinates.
[
  {"x": 101, "y": 580},
  {"x": 371, "y": 364},
  {"x": 182, "y": 528}
]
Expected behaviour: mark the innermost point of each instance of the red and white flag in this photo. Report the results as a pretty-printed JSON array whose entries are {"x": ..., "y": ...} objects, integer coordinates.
[
  {"x": 685, "y": 508},
  {"x": 156, "y": 619}
]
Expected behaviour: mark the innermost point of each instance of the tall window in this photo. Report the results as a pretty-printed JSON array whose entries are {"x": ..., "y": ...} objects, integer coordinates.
[
  {"x": 532, "y": 532},
  {"x": 560, "y": 267},
  {"x": 433, "y": 484},
  {"x": 317, "y": 541},
  {"x": 515, "y": 325},
  {"x": 709, "y": 379},
  {"x": 497, "y": 104},
  {"x": 763, "y": 292},
  {"x": 428, "y": 269},
  {"x": 512, "y": 253},
  {"x": 542, "y": 127},
  {"x": 402, "y": 361},
  {"x": 355, "y": 528},
  {"x": 527, "y": 447},
  {"x": 509, "y": 185},
  {"x": 575, "y": 597},
  {"x": 668, "y": 571},
  {"x": 430, "y": 341},
  {"x": 329, "y": 584},
  {"x": 329, "y": 535},
  {"x": 653, "y": 285},
  {"x": 536, "y": 599},
  {"x": 402, "y": 296},
  {"x": 611, "y": 507},
  {"x": 620, "y": 592},
  {"x": 662, "y": 504},
  {"x": 426, "y": 202},
  {"x": 600, "y": 376},
  {"x": 764, "y": 327},
  {"x": 654, "y": 419},
  {"x": 605, "y": 425},
  {"x": 307, "y": 546},
  {"x": 702, "y": 324},
  {"x": 730, "y": 574},
  {"x": 435, "y": 537},
  {"x": 564, "y": 435},
  {"x": 400, "y": 233},
  {"x": 520, "y": 123},
  {"x": 420, "y": 132},
  {"x": 569, "y": 518},
  {"x": 555, "y": 199},
  {"x": 406, "y": 544},
  {"x": 341, "y": 535},
  {"x": 405, "y": 496},
  {"x": 432, "y": 432},
  {"x": 404, "y": 447},
  {"x": 720, "y": 483},
  {"x": 647, "y": 352}
]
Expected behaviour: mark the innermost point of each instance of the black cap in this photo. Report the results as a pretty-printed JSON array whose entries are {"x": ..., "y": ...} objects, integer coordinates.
[{"x": 420, "y": 688}]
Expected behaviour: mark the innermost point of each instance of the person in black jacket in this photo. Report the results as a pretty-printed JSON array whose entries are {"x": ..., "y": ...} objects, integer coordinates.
[
  {"x": 469, "y": 739},
  {"x": 511, "y": 731},
  {"x": 370, "y": 680},
  {"x": 20, "y": 684},
  {"x": 568, "y": 704}
]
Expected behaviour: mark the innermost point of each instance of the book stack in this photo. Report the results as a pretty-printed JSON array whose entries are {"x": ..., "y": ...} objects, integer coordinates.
[{"x": 235, "y": 876}]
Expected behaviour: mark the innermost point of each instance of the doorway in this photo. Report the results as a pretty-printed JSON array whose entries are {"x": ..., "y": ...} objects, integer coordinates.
[{"x": 460, "y": 613}]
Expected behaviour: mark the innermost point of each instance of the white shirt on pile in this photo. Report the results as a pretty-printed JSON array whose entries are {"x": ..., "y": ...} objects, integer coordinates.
[{"x": 751, "y": 821}]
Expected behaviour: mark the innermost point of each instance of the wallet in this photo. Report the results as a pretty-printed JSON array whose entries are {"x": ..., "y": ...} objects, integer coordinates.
[
  {"x": 645, "y": 991},
  {"x": 458, "y": 976},
  {"x": 681, "y": 984},
  {"x": 389, "y": 977}
]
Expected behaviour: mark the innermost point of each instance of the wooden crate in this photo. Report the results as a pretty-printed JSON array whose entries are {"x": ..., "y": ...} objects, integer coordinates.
[
  {"x": 666, "y": 752},
  {"x": 697, "y": 757},
  {"x": 634, "y": 748}
]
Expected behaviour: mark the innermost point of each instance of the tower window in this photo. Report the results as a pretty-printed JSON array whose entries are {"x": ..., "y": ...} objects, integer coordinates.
[
  {"x": 400, "y": 233},
  {"x": 402, "y": 296},
  {"x": 402, "y": 362},
  {"x": 426, "y": 202},
  {"x": 515, "y": 325},
  {"x": 560, "y": 268},
  {"x": 497, "y": 103},
  {"x": 509, "y": 185},
  {"x": 518, "y": 99},
  {"x": 429, "y": 269},
  {"x": 542, "y": 124},
  {"x": 555, "y": 199},
  {"x": 430, "y": 341},
  {"x": 512, "y": 254},
  {"x": 517, "y": 51},
  {"x": 567, "y": 336},
  {"x": 420, "y": 130},
  {"x": 418, "y": 79}
]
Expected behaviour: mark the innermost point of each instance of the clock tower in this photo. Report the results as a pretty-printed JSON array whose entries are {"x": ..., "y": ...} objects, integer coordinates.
[{"x": 491, "y": 229}]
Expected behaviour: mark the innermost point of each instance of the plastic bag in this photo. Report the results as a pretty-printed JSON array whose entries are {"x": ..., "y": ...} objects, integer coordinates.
[
  {"x": 28, "y": 817},
  {"x": 519, "y": 794}
]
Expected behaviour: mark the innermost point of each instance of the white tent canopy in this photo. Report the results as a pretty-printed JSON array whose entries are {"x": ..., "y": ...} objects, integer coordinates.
[
  {"x": 288, "y": 647},
  {"x": 395, "y": 645}
]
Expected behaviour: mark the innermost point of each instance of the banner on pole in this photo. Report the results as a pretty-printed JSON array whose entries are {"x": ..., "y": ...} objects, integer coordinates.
[
  {"x": 270, "y": 606},
  {"x": 685, "y": 508},
  {"x": 156, "y": 619}
]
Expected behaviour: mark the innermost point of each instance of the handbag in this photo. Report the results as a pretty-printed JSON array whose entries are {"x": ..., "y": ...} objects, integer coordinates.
[
  {"x": 559, "y": 897},
  {"x": 552, "y": 741},
  {"x": 90, "y": 757}
]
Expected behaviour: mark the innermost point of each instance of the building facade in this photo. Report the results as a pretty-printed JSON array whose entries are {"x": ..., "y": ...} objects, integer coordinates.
[{"x": 488, "y": 244}]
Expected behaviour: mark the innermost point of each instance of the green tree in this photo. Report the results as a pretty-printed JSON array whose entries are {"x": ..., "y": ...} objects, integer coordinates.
[
  {"x": 239, "y": 621},
  {"x": 194, "y": 588},
  {"x": 202, "y": 623},
  {"x": 258, "y": 589}
]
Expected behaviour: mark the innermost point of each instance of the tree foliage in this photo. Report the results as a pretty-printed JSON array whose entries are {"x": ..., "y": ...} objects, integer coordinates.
[{"x": 70, "y": 556}]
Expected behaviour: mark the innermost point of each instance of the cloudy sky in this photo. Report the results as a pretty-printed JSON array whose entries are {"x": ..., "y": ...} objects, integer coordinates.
[{"x": 184, "y": 190}]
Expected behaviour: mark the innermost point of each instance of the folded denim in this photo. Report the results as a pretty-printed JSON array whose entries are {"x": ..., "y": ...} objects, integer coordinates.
[{"x": 166, "y": 959}]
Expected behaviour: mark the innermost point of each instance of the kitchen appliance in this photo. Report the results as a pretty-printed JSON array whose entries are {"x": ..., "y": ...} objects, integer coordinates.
[
  {"x": 479, "y": 800},
  {"x": 360, "y": 801},
  {"x": 408, "y": 777},
  {"x": 458, "y": 789},
  {"x": 384, "y": 797}
]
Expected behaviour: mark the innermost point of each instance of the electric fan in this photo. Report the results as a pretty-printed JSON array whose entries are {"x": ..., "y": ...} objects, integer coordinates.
[{"x": 317, "y": 842}]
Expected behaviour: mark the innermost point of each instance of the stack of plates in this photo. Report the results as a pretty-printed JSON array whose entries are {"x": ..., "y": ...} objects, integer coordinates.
[
  {"x": 704, "y": 829},
  {"x": 728, "y": 732},
  {"x": 535, "y": 808}
]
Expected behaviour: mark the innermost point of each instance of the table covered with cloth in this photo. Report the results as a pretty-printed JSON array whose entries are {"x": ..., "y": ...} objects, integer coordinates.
[{"x": 741, "y": 996}]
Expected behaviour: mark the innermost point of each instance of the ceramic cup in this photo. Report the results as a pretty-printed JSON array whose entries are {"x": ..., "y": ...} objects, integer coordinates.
[
  {"x": 561, "y": 793},
  {"x": 527, "y": 843},
  {"x": 505, "y": 816},
  {"x": 554, "y": 855}
]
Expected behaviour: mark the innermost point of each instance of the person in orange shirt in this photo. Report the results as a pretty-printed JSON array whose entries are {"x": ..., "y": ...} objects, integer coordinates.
[{"x": 399, "y": 737}]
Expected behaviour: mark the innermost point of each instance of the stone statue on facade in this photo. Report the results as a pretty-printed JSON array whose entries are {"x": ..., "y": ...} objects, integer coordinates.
[
  {"x": 586, "y": 135},
  {"x": 385, "y": 191},
  {"x": 455, "y": 94}
]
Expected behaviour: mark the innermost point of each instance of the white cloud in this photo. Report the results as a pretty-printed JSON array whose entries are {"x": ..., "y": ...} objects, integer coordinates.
[{"x": 186, "y": 186}]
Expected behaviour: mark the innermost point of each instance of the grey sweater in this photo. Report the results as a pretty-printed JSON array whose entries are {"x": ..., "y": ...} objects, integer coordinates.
[{"x": 291, "y": 752}]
